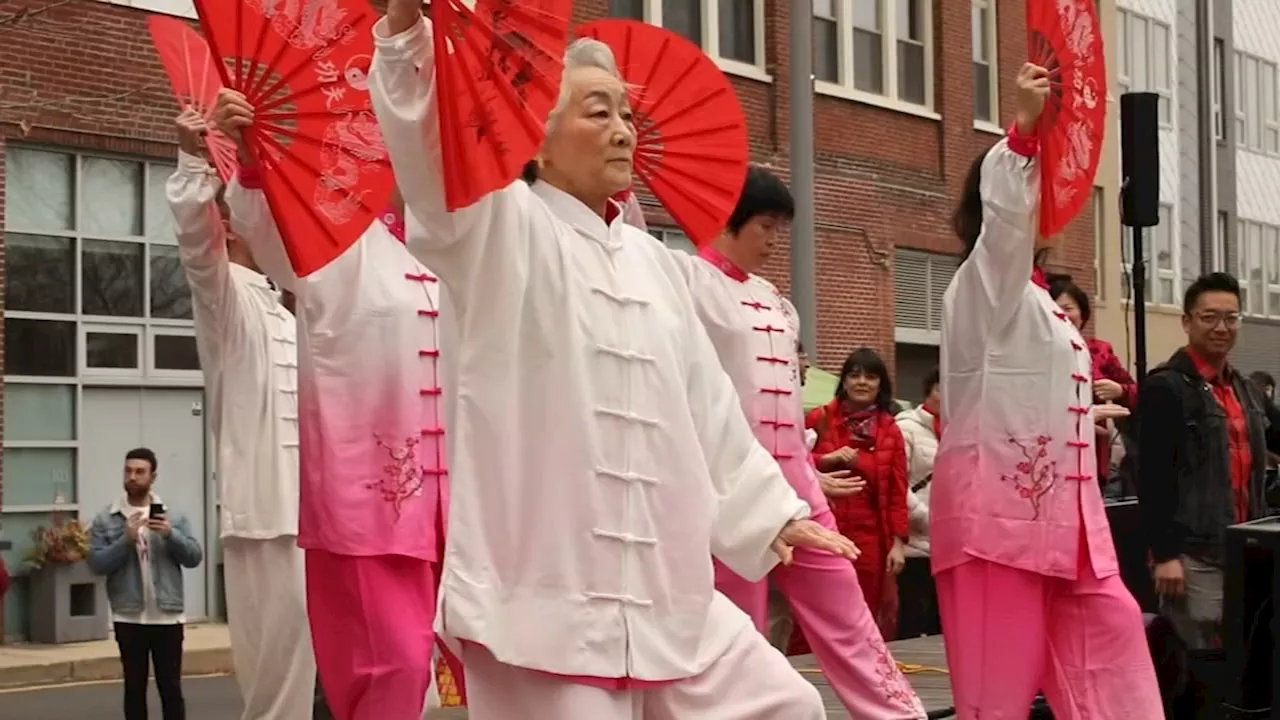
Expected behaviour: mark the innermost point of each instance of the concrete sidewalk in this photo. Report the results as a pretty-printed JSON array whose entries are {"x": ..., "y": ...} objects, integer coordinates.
[{"x": 208, "y": 652}]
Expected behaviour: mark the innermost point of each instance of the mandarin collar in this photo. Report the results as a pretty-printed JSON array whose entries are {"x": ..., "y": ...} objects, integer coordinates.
[{"x": 580, "y": 217}]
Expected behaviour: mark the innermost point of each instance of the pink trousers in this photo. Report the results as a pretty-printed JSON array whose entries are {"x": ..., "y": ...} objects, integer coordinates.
[
  {"x": 1011, "y": 633},
  {"x": 827, "y": 603},
  {"x": 372, "y": 629}
]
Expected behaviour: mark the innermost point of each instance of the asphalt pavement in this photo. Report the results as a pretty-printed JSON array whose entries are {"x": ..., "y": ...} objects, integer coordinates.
[{"x": 208, "y": 698}]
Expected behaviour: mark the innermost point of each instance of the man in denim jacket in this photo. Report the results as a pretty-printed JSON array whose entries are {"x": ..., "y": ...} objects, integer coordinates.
[{"x": 141, "y": 547}]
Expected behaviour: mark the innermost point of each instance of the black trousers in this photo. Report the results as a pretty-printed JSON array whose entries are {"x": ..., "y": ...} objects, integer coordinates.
[
  {"x": 917, "y": 600},
  {"x": 143, "y": 647}
]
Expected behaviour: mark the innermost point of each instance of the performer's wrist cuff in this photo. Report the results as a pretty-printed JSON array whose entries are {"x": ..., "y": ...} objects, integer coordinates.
[
  {"x": 1024, "y": 145},
  {"x": 250, "y": 177}
]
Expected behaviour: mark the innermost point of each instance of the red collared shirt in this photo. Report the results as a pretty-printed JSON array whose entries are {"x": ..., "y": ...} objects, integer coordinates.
[{"x": 1237, "y": 431}]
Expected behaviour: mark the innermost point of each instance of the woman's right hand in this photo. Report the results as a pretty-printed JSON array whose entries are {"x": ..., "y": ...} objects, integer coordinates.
[
  {"x": 232, "y": 113},
  {"x": 840, "y": 459},
  {"x": 1033, "y": 90}
]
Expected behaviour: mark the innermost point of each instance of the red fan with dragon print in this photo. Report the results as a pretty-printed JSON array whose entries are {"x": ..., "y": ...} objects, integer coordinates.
[
  {"x": 193, "y": 74},
  {"x": 1066, "y": 39},
  {"x": 691, "y": 145},
  {"x": 304, "y": 67},
  {"x": 497, "y": 73}
]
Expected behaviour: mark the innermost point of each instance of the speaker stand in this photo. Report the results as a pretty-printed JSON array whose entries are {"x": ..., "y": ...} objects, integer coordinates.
[{"x": 1138, "y": 279}]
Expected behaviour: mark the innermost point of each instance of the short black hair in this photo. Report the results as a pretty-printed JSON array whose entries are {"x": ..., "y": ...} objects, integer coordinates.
[
  {"x": 866, "y": 360},
  {"x": 1263, "y": 378},
  {"x": 931, "y": 381},
  {"x": 763, "y": 193},
  {"x": 1062, "y": 284},
  {"x": 143, "y": 454},
  {"x": 1211, "y": 282}
]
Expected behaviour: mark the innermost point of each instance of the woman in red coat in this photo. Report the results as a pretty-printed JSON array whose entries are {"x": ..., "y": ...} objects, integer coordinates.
[{"x": 856, "y": 432}]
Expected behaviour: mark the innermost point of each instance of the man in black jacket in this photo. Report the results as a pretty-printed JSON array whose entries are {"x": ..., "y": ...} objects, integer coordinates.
[{"x": 1203, "y": 459}]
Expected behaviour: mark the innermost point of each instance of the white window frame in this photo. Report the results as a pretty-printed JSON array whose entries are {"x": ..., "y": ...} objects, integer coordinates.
[
  {"x": 1257, "y": 104},
  {"x": 991, "y": 124},
  {"x": 1152, "y": 237},
  {"x": 1128, "y": 23},
  {"x": 673, "y": 238},
  {"x": 1218, "y": 259},
  {"x": 845, "y": 89},
  {"x": 1269, "y": 249},
  {"x": 187, "y": 376},
  {"x": 111, "y": 328},
  {"x": 1219, "y": 112},
  {"x": 710, "y": 10}
]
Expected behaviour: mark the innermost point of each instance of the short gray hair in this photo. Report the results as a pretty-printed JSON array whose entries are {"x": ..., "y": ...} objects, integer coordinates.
[{"x": 582, "y": 53}]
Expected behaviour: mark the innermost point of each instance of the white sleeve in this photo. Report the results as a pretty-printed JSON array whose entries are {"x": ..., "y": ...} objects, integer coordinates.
[
  {"x": 755, "y": 499},
  {"x": 251, "y": 219},
  {"x": 402, "y": 88},
  {"x": 202, "y": 247},
  {"x": 990, "y": 282}
]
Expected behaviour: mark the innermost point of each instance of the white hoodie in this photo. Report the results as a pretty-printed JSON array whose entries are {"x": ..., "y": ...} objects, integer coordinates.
[{"x": 921, "y": 444}]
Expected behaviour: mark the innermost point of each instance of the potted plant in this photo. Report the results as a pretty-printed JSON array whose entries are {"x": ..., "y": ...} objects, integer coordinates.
[{"x": 66, "y": 601}]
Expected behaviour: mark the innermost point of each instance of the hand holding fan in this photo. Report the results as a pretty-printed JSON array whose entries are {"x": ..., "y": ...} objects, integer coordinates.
[
  {"x": 304, "y": 69},
  {"x": 193, "y": 75},
  {"x": 1065, "y": 38},
  {"x": 691, "y": 145},
  {"x": 498, "y": 71}
]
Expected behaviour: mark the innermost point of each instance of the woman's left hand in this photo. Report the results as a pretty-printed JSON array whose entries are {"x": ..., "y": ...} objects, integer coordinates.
[
  {"x": 897, "y": 557},
  {"x": 1107, "y": 390}
]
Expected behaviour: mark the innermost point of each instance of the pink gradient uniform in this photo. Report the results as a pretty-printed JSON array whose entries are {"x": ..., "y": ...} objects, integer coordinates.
[
  {"x": 372, "y": 455},
  {"x": 755, "y": 331},
  {"x": 1027, "y": 578}
]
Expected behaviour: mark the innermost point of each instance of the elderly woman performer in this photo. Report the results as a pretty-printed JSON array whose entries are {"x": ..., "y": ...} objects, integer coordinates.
[
  {"x": 1026, "y": 570},
  {"x": 598, "y": 448}
]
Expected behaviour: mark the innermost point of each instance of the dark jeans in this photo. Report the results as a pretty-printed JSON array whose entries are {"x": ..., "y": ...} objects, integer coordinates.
[
  {"x": 917, "y": 600},
  {"x": 158, "y": 646}
]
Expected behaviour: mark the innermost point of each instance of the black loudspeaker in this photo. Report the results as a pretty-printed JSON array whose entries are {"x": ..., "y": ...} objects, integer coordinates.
[
  {"x": 1250, "y": 582},
  {"x": 1140, "y": 159}
]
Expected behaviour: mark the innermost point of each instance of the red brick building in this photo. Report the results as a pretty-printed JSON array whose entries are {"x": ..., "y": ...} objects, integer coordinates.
[{"x": 98, "y": 350}]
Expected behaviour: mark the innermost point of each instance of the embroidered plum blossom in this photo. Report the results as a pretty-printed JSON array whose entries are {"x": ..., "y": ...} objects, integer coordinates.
[
  {"x": 893, "y": 683},
  {"x": 1036, "y": 475},
  {"x": 403, "y": 477}
]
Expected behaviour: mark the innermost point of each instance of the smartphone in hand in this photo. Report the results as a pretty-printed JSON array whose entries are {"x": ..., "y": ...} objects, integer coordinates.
[{"x": 157, "y": 510}]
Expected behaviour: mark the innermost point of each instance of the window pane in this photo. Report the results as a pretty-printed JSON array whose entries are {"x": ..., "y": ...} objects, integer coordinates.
[
  {"x": 38, "y": 476},
  {"x": 111, "y": 278},
  {"x": 633, "y": 9},
  {"x": 910, "y": 23},
  {"x": 825, "y": 9},
  {"x": 866, "y": 14},
  {"x": 1126, "y": 46},
  {"x": 1251, "y": 109},
  {"x": 683, "y": 17},
  {"x": 39, "y": 412},
  {"x": 1271, "y": 244},
  {"x": 170, "y": 296},
  {"x": 1160, "y": 56},
  {"x": 978, "y": 28},
  {"x": 1165, "y": 296},
  {"x": 1255, "y": 267},
  {"x": 39, "y": 347},
  {"x": 40, "y": 273},
  {"x": 981, "y": 91},
  {"x": 868, "y": 62},
  {"x": 159, "y": 218},
  {"x": 737, "y": 25},
  {"x": 111, "y": 351},
  {"x": 1268, "y": 91},
  {"x": 110, "y": 197},
  {"x": 826, "y": 50},
  {"x": 676, "y": 240},
  {"x": 176, "y": 352},
  {"x": 39, "y": 187},
  {"x": 1139, "y": 55},
  {"x": 911, "y": 72}
]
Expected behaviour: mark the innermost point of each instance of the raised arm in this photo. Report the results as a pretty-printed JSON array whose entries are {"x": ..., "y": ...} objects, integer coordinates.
[
  {"x": 192, "y": 192},
  {"x": 991, "y": 280},
  {"x": 251, "y": 219},
  {"x": 402, "y": 88}
]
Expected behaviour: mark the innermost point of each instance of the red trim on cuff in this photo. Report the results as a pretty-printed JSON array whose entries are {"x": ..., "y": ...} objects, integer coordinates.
[
  {"x": 1027, "y": 146},
  {"x": 250, "y": 177}
]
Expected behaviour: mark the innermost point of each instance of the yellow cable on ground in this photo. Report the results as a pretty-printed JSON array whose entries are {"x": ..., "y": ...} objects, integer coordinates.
[{"x": 906, "y": 669}]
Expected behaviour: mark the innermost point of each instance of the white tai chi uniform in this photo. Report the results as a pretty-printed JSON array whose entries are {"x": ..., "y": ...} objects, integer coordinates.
[
  {"x": 248, "y": 353},
  {"x": 598, "y": 451}
]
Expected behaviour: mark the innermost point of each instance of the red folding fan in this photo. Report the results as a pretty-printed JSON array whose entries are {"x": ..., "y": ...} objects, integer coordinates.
[
  {"x": 193, "y": 75},
  {"x": 498, "y": 71},
  {"x": 691, "y": 149},
  {"x": 1066, "y": 39},
  {"x": 304, "y": 67}
]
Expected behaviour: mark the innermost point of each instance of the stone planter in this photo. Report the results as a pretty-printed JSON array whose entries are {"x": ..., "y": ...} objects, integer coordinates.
[{"x": 67, "y": 604}]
